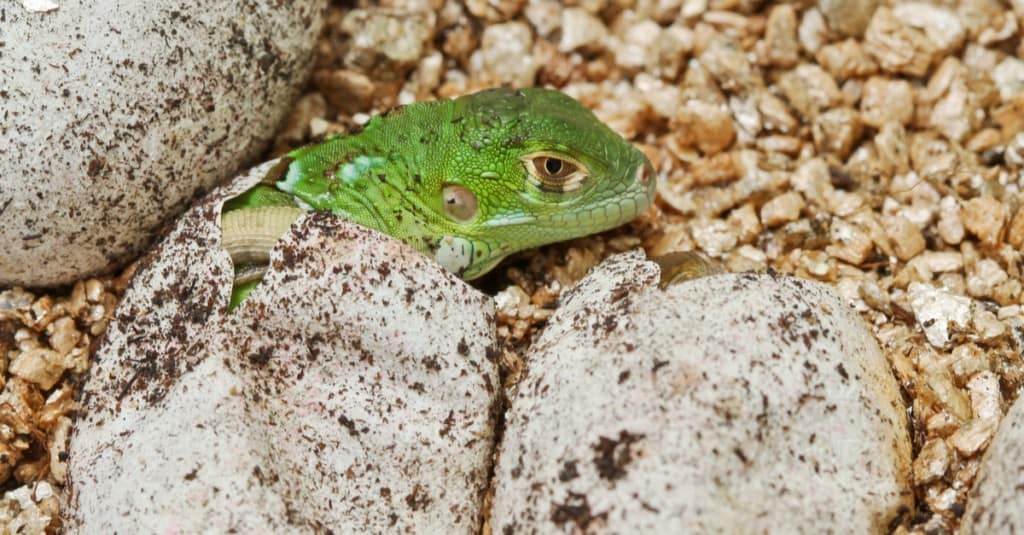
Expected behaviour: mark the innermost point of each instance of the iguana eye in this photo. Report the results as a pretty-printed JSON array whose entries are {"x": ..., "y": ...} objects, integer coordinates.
[
  {"x": 555, "y": 174},
  {"x": 459, "y": 203}
]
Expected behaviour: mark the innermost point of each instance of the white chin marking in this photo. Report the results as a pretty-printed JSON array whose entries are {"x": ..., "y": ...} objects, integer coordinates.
[{"x": 454, "y": 253}]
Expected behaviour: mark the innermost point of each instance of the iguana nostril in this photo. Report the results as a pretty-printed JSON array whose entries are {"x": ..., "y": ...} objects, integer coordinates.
[{"x": 459, "y": 203}]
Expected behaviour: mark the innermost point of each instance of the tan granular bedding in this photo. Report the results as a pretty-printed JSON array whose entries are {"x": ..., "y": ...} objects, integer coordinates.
[{"x": 873, "y": 146}]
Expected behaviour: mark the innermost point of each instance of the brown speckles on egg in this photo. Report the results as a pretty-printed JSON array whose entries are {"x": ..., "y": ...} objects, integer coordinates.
[
  {"x": 104, "y": 142},
  {"x": 356, "y": 365},
  {"x": 663, "y": 401}
]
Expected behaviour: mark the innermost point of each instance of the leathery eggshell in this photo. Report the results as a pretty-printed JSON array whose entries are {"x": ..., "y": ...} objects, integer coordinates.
[
  {"x": 115, "y": 114},
  {"x": 730, "y": 403},
  {"x": 353, "y": 391}
]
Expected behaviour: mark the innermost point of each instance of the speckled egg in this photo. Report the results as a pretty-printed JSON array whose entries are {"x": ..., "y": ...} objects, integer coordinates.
[
  {"x": 114, "y": 114},
  {"x": 352, "y": 392},
  {"x": 734, "y": 403}
]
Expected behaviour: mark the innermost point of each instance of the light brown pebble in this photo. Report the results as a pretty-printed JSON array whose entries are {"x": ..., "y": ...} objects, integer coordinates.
[
  {"x": 729, "y": 65},
  {"x": 846, "y": 17},
  {"x": 346, "y": 90},
  {"x": 544, "y": 16},
  {"x": 871, "y": 225},
  {"x": 1008, "y": 292},
  {"x": 893, "y": 152},
  {"x": 818, "y": 264},
  {"x": 851, "y": 90},
  {"x": 782, "y": 209},
  {"x": 387, "y": 44},
  {"x": 495, "y": 10},
  {"x": 938, "y": 261},
  {"x": 986, "y": 396},
  {"x": 940, "y": 313},
  {"x": 63, "y": 335},
  {"x": 704, "y": 125},
  {"x": 581, "y": 30},
  {"x": 984, "y": 217},
  {"x": 940, "y": 500},
  {"x": 843, "y": 203},
  {"x": 968, "y": 360},
  {"x": 26, "y": 339},
  {"x": 1014, "y": 153},
  {"x": 886, "y": 99},
  {"x": 812, "y": 32},
  {"x": 504, "y": 56},
  {"x": 950, "y": 227},
  {"x": 460, "y": 41},
  {"x": 96, "y": 313},
  {"x": 905, "y": 237},
  {"x": 810, "y": 90},
  {"x": 940, "y": 381},
  {"x": 984, "y": 276},
  {"x": 896, "y": 47},
  {"x": 1008, "y": 76},
  {"x": 76, "y": 302},
  {"x": 941, "y": 424},
  {"x": 783, "y": 50},
  {"x": 931, "y": 156},
  {"x": 788, "y": 145},
  {"x": 932, "y": 462},
  {"x": 1015, "y": 233},
  {"x": 940, "y": 25},
  {"x": 983, "y": 140},
  {"x": 42, "y": 312},
  {"x": 745, "y": 223},
  {"x": 40, "y": 366},
  {"x": 873, "y": 296},
  {"x": 714, "y": 170},
  {"x": 58, "y": 449},
  {"x": 948, "y": 97},
  {"x": 953, "y": 282},
  {"x": 988, "y": 327},
  {"x": 846, "y": 59},
  {"x": 849, "y": 242},
  {"x": 775, "y": 114},
  {"x": 973, "y": 436},
  {"x": 636, "y": 46},
  {"x": 714, "y": 236},
  {"x": 837, "y": 131}
]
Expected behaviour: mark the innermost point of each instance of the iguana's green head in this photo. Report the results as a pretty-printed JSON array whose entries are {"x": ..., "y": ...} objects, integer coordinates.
[
  {"x": 531, "y": 167},
  {"x": 476, "y": 178}
]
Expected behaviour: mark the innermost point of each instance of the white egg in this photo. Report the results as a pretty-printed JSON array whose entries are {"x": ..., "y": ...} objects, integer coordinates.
[{"x": 115, "y": 114}]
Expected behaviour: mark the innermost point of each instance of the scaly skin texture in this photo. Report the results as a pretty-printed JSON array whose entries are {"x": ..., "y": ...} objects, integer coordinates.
[{"x": 469, "y": 181}]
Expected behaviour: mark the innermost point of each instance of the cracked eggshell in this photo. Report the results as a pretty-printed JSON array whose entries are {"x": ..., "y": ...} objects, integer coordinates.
[
  {"x": 732, "y": 403},
  {"x": 352, "y": 391},
  {"x": 996, "y": 503},
  {"x": 115, "y": 114}
]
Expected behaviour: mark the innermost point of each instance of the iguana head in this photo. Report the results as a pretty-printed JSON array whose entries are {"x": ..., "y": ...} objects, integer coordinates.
[
  {"x": 527, "y": 168},
  {"x": 473, "y": 179}
]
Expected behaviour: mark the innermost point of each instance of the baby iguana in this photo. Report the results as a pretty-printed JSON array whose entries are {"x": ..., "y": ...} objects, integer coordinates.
[{"x": 467, "y": 181}]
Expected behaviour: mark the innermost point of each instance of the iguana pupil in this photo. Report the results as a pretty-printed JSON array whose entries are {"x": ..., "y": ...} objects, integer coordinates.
[{"x": 553, "y": 166}]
